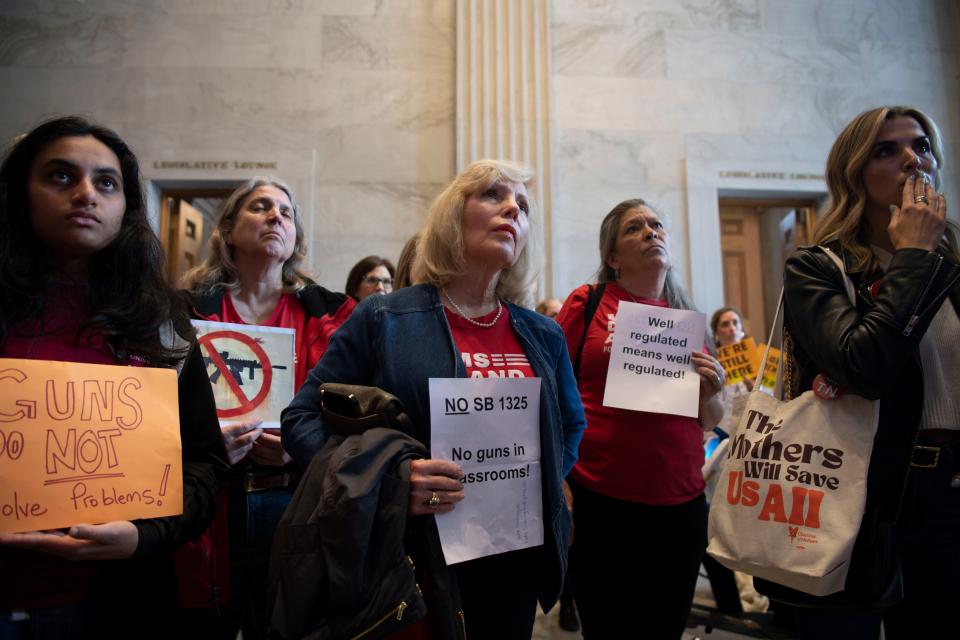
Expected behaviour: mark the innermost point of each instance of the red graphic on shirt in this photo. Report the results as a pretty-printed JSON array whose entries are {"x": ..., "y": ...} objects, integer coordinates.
[
  {"x": 496, "y": 365},
  {"x": 611, "y": 327}
]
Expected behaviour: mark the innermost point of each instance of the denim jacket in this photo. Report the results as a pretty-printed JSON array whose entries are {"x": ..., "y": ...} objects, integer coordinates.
[{"x": 397, "y": 342}]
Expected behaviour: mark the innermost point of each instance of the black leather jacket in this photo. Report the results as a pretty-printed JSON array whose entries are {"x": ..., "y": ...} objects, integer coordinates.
[{"x": 872, "y": 351}]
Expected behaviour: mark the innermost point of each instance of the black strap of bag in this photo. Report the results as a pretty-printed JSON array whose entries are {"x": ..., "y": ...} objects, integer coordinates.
[{"x": 594, "y": 295}]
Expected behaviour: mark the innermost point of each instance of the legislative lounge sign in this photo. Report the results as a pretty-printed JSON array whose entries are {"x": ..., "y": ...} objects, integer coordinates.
[
  {"x": 650, "y": 366},
  {"x": 84, "y": 443}
]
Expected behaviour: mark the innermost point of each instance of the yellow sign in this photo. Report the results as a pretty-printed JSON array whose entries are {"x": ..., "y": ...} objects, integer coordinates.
[
  {"x": 87, "y": 443},
  {"x": 739, "y": 360}
]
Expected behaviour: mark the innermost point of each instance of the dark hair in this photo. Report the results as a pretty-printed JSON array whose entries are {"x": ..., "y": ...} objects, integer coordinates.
[
  {"x": 715, "y": 319},
  {"x": 361, "y": 269},
  {"x": 127, "y": 293}
]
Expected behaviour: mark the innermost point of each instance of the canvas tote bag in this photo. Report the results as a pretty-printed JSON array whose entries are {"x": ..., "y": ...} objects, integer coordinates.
[{"x": 790, "y": 499}]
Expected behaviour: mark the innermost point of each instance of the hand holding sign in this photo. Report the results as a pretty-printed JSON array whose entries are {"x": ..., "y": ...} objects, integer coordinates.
[
  {"x": 267, "y": 450},
  {"x": 109, "y": 541},
  {"x": 711, "y": 373},
  {"x": 429, "y": 477},
  {"x": 239, "y": 438}
]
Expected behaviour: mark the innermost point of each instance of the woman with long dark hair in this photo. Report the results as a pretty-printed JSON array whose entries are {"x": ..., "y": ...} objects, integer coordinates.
[{"x": 81, "y": 280}]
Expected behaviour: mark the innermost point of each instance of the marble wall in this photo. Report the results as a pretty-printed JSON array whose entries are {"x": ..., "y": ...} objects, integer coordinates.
[
  {"x": 354, "y": 100},
  {"x": 661, "y": 98}
]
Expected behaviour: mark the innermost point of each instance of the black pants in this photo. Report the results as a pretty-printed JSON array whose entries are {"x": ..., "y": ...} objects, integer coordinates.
[
  {"x": 654, "y": 550},
  {"x": 930, "y": 558},
  {"x": 499, "y": 594}
]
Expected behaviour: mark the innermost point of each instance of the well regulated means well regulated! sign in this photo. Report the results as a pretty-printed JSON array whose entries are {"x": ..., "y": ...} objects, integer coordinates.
[{"x": 650, "y": 365}]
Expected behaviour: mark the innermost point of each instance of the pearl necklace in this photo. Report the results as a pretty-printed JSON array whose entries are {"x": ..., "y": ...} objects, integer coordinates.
[{"x": 484, "y": 325}]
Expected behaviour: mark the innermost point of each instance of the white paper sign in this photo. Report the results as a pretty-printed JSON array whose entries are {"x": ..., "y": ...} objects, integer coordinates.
[
  {"x": 251, "y": 369},
  {"x": 491, "y": 428},
  {"x": 650, "y": 365}
]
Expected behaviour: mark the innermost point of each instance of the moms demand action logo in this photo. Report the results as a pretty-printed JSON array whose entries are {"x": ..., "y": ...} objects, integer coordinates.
[{"x": 800, "y": 538}]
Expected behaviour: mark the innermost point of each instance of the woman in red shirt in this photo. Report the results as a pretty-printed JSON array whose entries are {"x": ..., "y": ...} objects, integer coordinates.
[
  {"x": 639, "y": 512},
  {"x": 252, "y": 275}
]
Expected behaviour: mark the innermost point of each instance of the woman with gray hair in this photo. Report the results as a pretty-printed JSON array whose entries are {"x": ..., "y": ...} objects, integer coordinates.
[
  {"x": 640, "y": 514},
  {"x": 472, "y": 272},
  {"x": 252, "y": 276}
]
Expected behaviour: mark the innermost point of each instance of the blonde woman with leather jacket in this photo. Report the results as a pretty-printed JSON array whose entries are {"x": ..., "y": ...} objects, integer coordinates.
[{"x": 898, "y": 343}]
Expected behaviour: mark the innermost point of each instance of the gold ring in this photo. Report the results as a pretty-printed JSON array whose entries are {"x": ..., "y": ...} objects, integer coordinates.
[
  {"x": 923, "y": 199},
  {"x": 434, "y": 500}
]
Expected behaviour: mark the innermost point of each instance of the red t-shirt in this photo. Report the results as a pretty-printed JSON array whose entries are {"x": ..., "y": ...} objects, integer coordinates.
[
  {"x": 489, "y": 352},
  {"x": 288, "y": 314},
  {"x": 638, "y": 456}
]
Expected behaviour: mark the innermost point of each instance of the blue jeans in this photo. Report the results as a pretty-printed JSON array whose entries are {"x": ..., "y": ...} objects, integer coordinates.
[{"x": 253, "y": 521}]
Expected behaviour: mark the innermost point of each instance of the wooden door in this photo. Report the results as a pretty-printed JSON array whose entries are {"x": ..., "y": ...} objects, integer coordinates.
[
  {"x": 742, "y": 265},
  {"x": 756, "y": 238}
]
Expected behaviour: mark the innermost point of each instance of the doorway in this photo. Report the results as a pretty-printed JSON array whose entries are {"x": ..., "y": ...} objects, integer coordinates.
[
  {"x": 756, "y": 237},
  {"x": 187, "y": 219}
]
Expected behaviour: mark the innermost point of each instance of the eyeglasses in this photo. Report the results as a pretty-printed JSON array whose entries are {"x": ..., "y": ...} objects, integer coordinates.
[{"x": 374, "y": 281}]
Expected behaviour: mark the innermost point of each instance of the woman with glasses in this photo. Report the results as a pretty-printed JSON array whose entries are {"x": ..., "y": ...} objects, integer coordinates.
[{"x": 371, "y": 275}]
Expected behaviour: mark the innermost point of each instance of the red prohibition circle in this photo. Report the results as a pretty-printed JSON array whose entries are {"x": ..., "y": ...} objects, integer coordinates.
[{"x": 246, "y": 405}]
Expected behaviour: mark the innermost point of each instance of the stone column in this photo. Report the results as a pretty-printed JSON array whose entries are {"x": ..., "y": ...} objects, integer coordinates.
[{"x": 503, "y": 95}]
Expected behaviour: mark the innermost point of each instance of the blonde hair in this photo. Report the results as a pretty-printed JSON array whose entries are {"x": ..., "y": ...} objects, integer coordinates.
[
  {"x": 844, "y": 219},
  {"x": 439, "y": 256},
  {"x": 218, "y": 269}
]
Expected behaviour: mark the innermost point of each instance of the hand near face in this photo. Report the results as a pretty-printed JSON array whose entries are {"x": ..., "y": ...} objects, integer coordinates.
[
  {"x": 918, "y": 224},
  {"x": 111, "y": 541},
  {"x": 434, "y": 476}
]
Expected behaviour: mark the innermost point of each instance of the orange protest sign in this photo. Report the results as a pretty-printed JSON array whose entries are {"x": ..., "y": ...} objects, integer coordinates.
[
  {"x": 769, "y": 379},
  {"x": 739, "y": 360},
  {"x": 86, "y": 443}
]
